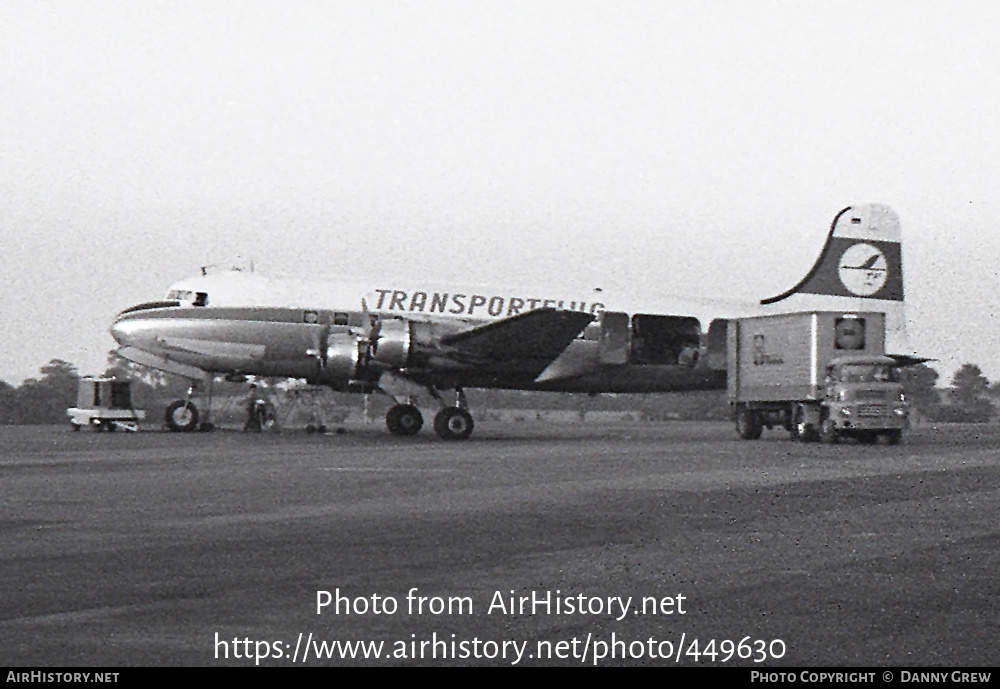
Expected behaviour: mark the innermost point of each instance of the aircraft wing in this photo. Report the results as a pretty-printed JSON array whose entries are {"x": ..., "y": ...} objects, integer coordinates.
[
  {"x": 539, "y": 335},
  {"x": 904, "y": 360}
]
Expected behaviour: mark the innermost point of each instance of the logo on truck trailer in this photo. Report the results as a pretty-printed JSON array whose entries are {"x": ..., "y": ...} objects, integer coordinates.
[{"x": 760, "y": 355}]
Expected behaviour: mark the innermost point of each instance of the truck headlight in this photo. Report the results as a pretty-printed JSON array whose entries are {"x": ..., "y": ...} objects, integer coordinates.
[
  {"x": 845, "y": 411},
  {"x": 900, "y": 411}
]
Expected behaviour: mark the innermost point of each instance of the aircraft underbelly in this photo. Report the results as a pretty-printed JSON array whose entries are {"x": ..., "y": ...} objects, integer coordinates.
[
  {"x": 641, "y": 378},
  {"x": 621, "y": 378}
]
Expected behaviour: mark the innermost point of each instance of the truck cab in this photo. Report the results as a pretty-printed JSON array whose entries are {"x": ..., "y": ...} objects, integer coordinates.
[{"x": 864, "y": 399}]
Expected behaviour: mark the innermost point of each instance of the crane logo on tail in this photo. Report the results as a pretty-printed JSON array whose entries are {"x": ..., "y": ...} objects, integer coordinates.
[{"x": 863, "y": 269}]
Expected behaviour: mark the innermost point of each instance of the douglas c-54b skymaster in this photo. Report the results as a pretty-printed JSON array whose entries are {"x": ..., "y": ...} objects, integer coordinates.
[{"x": 408, "y": 338}]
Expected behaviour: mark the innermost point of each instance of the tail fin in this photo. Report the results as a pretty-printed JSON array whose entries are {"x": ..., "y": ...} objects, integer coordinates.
[
  {"x": 862, "y": 258},
  {"x": 860, "y": 268}
]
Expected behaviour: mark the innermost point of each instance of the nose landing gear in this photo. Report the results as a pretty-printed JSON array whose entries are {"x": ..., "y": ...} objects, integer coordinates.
[{"x": 182, "y": 416}]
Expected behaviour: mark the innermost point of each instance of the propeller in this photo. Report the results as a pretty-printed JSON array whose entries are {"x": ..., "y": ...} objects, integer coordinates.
[
  {"x": 318, "y": 348},
  {"x": 374, "y": 326}
]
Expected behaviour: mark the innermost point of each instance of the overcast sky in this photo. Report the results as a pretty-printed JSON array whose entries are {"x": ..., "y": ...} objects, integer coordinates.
[{"x": 692, "y": 147}]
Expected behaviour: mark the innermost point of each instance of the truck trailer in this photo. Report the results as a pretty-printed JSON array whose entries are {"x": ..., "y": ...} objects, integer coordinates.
[{"x": 822, "y": 375}]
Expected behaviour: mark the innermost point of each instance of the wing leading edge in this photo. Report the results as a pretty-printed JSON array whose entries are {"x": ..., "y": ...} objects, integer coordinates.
[{"x": 534, "y": 338}]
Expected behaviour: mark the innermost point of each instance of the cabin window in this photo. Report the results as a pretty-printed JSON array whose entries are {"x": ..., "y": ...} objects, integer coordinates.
[
  {"x": 200, "y": 299},
  {"x": 340, "y": 318},
  {"x": 310, "y": 317}
]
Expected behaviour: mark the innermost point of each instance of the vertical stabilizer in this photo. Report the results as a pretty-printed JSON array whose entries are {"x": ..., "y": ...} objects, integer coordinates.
[
  {"x": 861, "y": 258},
  {"x": 859, "y": 269}
]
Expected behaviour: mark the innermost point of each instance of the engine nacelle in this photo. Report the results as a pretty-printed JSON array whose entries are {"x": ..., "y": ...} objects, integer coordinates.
[
  {"x": 350, "y": 357},
  {"x": 392, "y": 346},
  {"x": 345, "y": 358}
]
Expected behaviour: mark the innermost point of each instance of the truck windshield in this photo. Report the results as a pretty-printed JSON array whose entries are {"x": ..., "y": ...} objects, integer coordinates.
[{"x": 868, "y": 373}]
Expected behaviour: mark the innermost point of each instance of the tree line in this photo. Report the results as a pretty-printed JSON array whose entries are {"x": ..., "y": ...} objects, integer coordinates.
[{"x": 970, "y": 397}]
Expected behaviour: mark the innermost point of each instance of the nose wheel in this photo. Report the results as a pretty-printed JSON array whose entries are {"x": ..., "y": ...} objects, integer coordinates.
[{"x": 182, "y": 416}]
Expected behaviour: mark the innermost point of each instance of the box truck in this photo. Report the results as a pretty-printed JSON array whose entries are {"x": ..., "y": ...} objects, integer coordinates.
[{"x": 822, "y": 375}]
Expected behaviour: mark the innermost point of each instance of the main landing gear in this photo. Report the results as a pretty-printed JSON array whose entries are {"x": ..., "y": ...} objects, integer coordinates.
[{"x": 450, "y": 423}]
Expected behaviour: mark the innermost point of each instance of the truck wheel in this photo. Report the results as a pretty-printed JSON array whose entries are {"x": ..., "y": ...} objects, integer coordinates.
[
  {"x": 804, "y": 431},
  {"x": 748, "y": 425},
  {"x": 892, "y": 437},
  {"x": 182, "y": 416},
  {"x": 828, "y": 432}
]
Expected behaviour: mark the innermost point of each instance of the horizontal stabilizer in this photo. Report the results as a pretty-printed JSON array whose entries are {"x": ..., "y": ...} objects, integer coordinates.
[
  {"x": 908, "y": 360},
  {"x": 540, "y": 334}
]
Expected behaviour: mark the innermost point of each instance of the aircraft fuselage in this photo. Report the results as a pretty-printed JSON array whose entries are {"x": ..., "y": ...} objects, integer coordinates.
[{"x": 296, "y": 343}]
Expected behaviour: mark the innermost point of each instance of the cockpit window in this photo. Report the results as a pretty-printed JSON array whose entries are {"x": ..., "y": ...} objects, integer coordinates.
[
  {"x": 150, "y": 305},
  {"x": 867, "y": 373},
  {"x": 189, "y": 297}
]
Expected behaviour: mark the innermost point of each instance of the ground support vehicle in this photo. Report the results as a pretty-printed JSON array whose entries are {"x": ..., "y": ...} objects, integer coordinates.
[
  {"x": 104, "y": 404},
  {"x": 822, "y": 375}
]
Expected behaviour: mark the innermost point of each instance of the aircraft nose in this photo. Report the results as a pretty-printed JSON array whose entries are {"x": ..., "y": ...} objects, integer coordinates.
[
  {"x": 130, "y": 331},
  {"x": 120, "y": 331}
]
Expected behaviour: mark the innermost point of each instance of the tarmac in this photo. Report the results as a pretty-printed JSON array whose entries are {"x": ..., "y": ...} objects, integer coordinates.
[{"x": 530, "y": 544}]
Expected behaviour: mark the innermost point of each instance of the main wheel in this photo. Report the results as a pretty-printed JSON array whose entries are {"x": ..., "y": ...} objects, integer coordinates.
[
  {"x": 404, "y": 419},
  {"x": 182, "y": 416},
  {"x": 748, "y": 425},
  {"x": 828, "y": 432},
  {"x": 453, "y": 423}
]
